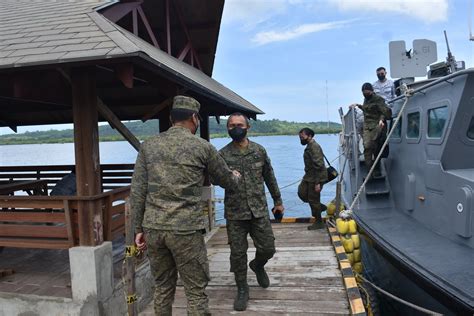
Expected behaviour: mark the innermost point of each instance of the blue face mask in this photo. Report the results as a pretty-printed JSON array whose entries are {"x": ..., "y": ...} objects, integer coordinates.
[{"x": 237, "y": 133}]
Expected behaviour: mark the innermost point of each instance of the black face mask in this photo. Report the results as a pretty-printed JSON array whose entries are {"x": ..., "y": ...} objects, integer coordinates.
[
  {"x": 237, "y": 133},
  {"x": 304, "y": 141},
  {"x": 381, "y": 77},
  {"x": 367, "y": 96}
]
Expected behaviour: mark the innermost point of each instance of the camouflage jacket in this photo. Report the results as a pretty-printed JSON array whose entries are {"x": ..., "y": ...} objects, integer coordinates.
[
  {"x": 314, "y": 168},
  {"x": 375, "y": 109},
  {"x": 249, "y": 196},
  {"x": 168, "y": 178}
]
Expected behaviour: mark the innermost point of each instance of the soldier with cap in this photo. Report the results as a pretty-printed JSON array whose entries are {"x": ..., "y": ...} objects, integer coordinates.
[
  {"x": 375, "y": 113},
  {"x": 246, "y": 209},
  {"x": 166, "y": 206},
  {"x": 315, "y": 175}
]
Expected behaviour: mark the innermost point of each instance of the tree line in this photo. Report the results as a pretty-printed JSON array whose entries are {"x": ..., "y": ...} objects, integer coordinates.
[{"x": 145, "y": 130}]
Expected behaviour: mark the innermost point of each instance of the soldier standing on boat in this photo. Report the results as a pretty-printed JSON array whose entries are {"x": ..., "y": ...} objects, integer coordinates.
[
  {"x": 375, "y": 113},
  {"x": 166, "y": 206},
  {"x": 384, "y": 87},
  {"x": 246, "y": 209},
  {"x": 315, "y": 175}
]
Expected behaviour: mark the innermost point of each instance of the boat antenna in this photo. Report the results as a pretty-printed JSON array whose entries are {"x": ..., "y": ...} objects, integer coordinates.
[
  {"x": 327, "y": 104},
  {"x": 471, "y": 38},
  {"x": 450, "y": 60}
]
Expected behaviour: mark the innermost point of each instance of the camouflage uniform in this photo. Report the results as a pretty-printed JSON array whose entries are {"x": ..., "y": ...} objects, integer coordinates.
[
  {"x": 314, "y": 172},
  {"x": 165, "y": 201},
  {"x": 246, "y": 208},
  {"x": 374, "y": 109}
]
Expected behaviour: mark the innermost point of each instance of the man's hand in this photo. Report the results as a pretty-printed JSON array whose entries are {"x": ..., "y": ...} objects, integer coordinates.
[
  {"x": 353, "y": 105},
  {"x": 317, "y": 188},
  {"x": 381, "y": 123},
  {"x": 236, "y": 173},
  {"x": 278, "y": 209},
  {"x": 140, "y": 241}
]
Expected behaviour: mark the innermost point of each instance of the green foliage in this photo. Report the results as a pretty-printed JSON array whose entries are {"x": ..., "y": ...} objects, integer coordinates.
[{"x": 144, "y": 130}]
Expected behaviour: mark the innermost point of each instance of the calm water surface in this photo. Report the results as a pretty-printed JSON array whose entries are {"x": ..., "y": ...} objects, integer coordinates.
[{"x": 286, "y": 154}]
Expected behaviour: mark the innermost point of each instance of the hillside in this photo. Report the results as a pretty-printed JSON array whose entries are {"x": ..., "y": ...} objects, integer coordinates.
[{"x": 149, "y": 128}]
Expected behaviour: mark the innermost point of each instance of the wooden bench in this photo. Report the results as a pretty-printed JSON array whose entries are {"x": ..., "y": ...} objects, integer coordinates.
[{"x": 31, "y": 187}]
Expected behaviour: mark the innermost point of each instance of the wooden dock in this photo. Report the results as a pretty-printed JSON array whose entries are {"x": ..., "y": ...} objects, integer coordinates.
[{"x": 304, "y": 274}]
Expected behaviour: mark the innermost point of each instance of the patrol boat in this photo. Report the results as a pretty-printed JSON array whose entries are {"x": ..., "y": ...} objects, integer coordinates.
[{"x": 417, "y": 219}]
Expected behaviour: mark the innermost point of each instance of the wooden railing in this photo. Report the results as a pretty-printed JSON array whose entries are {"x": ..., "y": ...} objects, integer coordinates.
[
  {"x": 113, "y": 175},
  {"x": 52, "y": 221}
]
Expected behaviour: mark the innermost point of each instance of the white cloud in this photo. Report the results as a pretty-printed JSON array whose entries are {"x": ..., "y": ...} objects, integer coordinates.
[
  {"x": 266, "y": 37},
  {"x": 251, "y": 13},
  {"x": 429, "y": 11}
]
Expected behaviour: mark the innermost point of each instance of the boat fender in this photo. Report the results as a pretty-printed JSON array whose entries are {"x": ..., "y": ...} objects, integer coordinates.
[
  {"x": 357, "y": 257},
  {"x": 348, "y": 244},
  {"x": 356, "y": 240},
  {"x": 342, "y": 226},
  {"x": 352, "y": 227}
]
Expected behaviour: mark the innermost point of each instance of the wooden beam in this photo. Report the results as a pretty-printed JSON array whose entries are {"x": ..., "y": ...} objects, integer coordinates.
[
  {"x": 125, "y": 74},
  {"x": 184, "y": 51},
  {"x": 148, "y": 27},
  {"x": 157, "y": 109},
  {"x": 86, "y": 147},
  {"x": 117, "y": 11},
  {"x": 135, "y": 22},
  {"x": 115, "y": 122},
  {"x": 11, "y": 126}
]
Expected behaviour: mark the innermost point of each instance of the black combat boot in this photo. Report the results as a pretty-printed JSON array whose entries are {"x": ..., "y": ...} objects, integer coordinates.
[
  {"x": 262, "y": 276},
  {"x": 318, "y": 223},
  {"x": 242, "y": 298}
]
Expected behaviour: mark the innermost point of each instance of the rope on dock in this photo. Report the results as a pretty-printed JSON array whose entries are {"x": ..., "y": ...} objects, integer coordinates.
[
  {"x": 416, "y": 307},
  {"x": 408, "y": 94}
]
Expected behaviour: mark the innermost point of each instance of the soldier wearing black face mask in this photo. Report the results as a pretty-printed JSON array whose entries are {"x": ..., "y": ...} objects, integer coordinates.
[
  {"x": 384, "y": 87},
  {"x": 246, "y": 209},
  {"x": 315, "y": 175},
  {"x": 376, "y": 113}
]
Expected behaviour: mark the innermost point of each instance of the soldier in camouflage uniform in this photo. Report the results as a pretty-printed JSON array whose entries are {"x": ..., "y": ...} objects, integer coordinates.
[
  {"x": 315, "y": 175},
  {"x": 246, "y": 207},
  {"x": 165, "y": 202},
  {"x": 375, "y": 113}
]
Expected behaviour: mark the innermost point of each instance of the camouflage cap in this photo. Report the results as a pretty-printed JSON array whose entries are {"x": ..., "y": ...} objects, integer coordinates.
[{"x": 187, "y": 103}]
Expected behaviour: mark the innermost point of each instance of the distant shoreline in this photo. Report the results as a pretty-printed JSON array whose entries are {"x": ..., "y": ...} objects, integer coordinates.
[{"x": 6, "y": 142}]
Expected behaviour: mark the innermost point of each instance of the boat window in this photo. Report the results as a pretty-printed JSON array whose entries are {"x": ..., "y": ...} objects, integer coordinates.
[
  {"x": 397, "y": 132},
  {"x": 413, "y": 125},
  {"x": 470, "y": 131},
  {"x": 436, "y": 121}
]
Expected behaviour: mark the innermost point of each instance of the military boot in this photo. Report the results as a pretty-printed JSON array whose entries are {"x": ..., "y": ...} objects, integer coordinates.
[
  {"x": 242, "y": 298},
  {"x": 318, "y": 224},
  {"x": 316, "y": 212},
  {"x": 262, "y": 276}
]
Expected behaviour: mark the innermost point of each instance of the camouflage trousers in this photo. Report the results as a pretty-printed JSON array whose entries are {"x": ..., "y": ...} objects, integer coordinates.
[
  {"x": 307, "y": 194},
  {"x": 372, "y": 138},
  {"x": 260, "y": 229},
  {"x": 185, "y": 252}
]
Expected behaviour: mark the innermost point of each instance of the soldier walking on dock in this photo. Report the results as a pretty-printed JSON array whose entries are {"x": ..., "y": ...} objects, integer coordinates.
[
  {"x": 166, "y": 206},
  {"x": 246, "y": 207},
  {"x": 315, "y": 175}
]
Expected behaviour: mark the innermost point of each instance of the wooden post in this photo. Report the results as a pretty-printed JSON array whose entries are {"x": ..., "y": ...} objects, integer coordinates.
[
  {"x": 86, "y": 148},
  {"x": 129, "y": 266},
  {"x": 164, "y": 117},
  {"x": 204, "y": 132}
]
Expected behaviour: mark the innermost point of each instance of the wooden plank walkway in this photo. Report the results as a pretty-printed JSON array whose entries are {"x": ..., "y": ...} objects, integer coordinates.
[{"x": 304, "y": 275}]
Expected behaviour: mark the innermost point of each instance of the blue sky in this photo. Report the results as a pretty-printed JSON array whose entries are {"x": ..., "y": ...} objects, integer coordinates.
[{"x": 279, "y": 54}]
